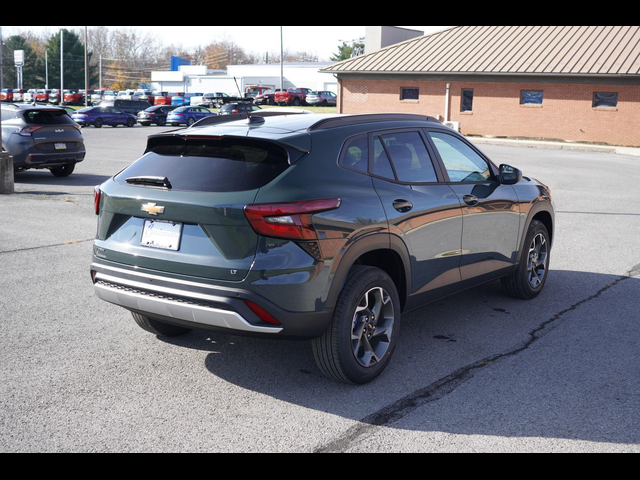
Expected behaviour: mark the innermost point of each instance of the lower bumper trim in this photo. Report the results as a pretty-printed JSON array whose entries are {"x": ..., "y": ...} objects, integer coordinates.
[{"x": 168, "y": 307}]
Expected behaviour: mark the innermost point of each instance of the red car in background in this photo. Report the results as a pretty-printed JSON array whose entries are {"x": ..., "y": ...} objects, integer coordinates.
[
  {"x": 293, "y": 96},
  {"x": 42, "y": 95},
  {"x": 73, "y": 97},
  {"x": 165, "y": 98},
  {"x": 6, "y": 95}
]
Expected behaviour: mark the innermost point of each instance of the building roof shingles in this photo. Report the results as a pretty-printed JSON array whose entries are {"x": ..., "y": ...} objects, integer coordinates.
[{"x": 509, "y": 50}]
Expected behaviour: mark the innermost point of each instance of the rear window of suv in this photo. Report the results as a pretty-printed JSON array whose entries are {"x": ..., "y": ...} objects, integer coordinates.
[
  {"x": 47, "y": 117},
  {"x": 227, "y": 165}
]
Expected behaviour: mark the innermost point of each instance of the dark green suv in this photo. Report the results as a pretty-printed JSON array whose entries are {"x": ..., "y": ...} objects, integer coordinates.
[{"x": 321, "y": 227}]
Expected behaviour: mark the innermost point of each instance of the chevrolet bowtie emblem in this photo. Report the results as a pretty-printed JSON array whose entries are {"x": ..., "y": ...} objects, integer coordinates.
[{"x": 152, "y": 209}]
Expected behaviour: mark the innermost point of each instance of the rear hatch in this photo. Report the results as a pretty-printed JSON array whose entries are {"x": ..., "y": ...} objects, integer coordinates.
[
  {"x": 52, "y": 130},
  {"x": 180, "y": 208}
]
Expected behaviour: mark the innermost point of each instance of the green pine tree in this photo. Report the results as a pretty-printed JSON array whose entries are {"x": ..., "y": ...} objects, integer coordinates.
[{"x": 73, "y": 62}]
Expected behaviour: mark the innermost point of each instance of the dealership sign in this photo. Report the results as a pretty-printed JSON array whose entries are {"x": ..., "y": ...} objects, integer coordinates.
[{"x": 18, "y": 58}]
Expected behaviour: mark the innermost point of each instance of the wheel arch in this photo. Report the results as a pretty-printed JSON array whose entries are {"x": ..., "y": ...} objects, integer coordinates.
[
  {"x": 543, "y": 212},
  {"x": 383, "y": 251}
]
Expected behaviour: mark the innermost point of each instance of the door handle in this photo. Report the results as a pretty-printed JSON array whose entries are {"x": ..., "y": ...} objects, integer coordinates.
[
  {"x": 471, "y": 200},
  {"x": 403, "y": 206}
]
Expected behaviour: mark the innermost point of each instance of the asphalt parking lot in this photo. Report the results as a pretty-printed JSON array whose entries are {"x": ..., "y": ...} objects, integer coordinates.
[{"x": 475, "y": 373}]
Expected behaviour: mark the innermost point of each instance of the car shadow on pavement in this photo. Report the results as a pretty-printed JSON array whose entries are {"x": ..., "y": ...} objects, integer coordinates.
[{"x": 564, "y": 365}]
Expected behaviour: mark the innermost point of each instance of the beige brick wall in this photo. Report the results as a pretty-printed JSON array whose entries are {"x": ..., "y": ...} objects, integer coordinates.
[{"x": 566, "y": 113}]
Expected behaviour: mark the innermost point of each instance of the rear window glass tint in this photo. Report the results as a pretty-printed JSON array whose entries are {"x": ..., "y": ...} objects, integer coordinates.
[
  {"x": 212, "y": 166},
  {"x": 47, "y": 117}
]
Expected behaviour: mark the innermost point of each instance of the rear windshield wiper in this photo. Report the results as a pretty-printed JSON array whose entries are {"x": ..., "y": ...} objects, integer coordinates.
[{"x": 151, "y": 181}]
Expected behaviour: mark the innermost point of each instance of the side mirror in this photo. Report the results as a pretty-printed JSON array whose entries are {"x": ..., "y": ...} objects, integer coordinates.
[{"x": 509, "y": 175}]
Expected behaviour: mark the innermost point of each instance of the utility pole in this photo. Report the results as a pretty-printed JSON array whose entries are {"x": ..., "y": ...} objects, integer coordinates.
[
  {"x": 46, "y": 69},
  {"x": 86, "y": 68},
  {"x": 1, "y": 61},
  {"x": 61, "y": 67},
  {"x": 6, "y": 161},
  {"x": 281, "y": 60},
  {"x": 100, "y": 71}
]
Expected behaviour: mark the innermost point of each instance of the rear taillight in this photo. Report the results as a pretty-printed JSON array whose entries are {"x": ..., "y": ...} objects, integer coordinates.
[
  {"x": 27, "y": 131},
  {"x": 288, "y": 220},
  {"x": 96, "y": 200}
]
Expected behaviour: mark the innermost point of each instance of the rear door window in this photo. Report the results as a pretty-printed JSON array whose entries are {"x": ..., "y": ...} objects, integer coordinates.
[
  {"x": 227, "y": 165},
  {"x": 409, "y": 157}
]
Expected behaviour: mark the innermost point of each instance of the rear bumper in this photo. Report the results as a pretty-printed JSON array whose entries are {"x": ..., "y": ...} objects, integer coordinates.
[
  {"x": 200, "y": 305},
  {"x": 36, "y": 159}
]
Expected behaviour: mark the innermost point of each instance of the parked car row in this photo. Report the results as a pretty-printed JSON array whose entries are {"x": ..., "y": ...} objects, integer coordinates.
[{"x": 253, "y": 94}]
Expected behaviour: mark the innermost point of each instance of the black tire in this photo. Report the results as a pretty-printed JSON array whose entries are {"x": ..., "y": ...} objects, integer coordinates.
[
  {"x": 339, "y": 354},
  {"x": 98, "y": 123},
  {"x": 63, "y": 171},
  {"x": 131, "y": 123},
  {"x": 159, "y": 328},
  {"x": 529, "y": 279},
  {"x": 162, "y": 122},
  {"x": 190, "y": 122}
]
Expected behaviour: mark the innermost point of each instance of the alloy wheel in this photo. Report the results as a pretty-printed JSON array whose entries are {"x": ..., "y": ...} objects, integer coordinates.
[
  {"x": 372, "y": 329},
  {"x": 537, "y": 266}
]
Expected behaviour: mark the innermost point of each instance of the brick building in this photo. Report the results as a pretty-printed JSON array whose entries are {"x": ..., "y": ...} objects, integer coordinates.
[{"x": 572, "y": 83}]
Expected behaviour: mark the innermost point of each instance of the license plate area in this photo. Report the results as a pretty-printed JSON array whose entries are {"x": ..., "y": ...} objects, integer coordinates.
[
  {"x": 161, "y": 234},
  {"x": 60, "y": 146}
]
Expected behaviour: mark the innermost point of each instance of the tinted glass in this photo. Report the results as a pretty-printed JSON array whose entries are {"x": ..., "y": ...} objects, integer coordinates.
[
  {"x": 47, "y": 117},
  {"x": 605, "y": 99},
  {"x": 381, "y": 164},
  {"x": 410, "y": 94},
  {"x": 463, "y": 164},
  {"x": 467, "y": 100},
  {"x": 212, "y": 166},
  {"x": 410, "y": 157},
  {"x": 529, "y": 97},
  {"x": 356, "y": 155}
]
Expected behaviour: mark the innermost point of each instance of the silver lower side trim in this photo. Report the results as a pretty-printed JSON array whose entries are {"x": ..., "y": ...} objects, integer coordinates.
[{"x": 196, "y": 314}]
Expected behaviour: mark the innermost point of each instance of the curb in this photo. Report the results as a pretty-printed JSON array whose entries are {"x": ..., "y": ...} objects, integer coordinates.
[{"x": 635, "y": 152}]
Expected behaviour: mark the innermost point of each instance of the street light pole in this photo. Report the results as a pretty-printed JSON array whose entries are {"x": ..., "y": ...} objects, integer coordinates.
[{"x": 86, "y": 69}]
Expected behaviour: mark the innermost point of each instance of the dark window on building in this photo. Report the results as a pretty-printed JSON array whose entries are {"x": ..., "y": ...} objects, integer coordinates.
[
  {"x": 531, "y": 97},
  {"x": 467, "y": 100},
  {"x": 605, "y": 99},
  {"x": 409, "y": 94}
]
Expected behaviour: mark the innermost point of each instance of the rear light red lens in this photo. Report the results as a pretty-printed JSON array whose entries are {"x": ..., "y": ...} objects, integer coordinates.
[
  {"x": 27, "y": 131},
  {"x": 262, "y": 313},
  {"x": 288, "y": 220},
  {"x": 96, "y": 200}
]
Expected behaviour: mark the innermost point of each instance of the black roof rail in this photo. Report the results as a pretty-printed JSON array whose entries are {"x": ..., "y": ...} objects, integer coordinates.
[
  {"x": 346, "y": 120},
  {"x": 260, "y": 114}
]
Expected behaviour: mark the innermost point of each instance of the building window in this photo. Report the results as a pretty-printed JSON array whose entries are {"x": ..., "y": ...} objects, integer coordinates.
[
  {"x": 531, "y": 97},
  {"x": 605, "y": 100},
  {"x": 467, "y": 100},
  {"x": 409, "y": 94}
]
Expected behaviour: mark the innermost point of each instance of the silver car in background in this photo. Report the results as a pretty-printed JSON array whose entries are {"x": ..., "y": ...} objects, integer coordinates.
[{"x": 322, "y": 98}]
